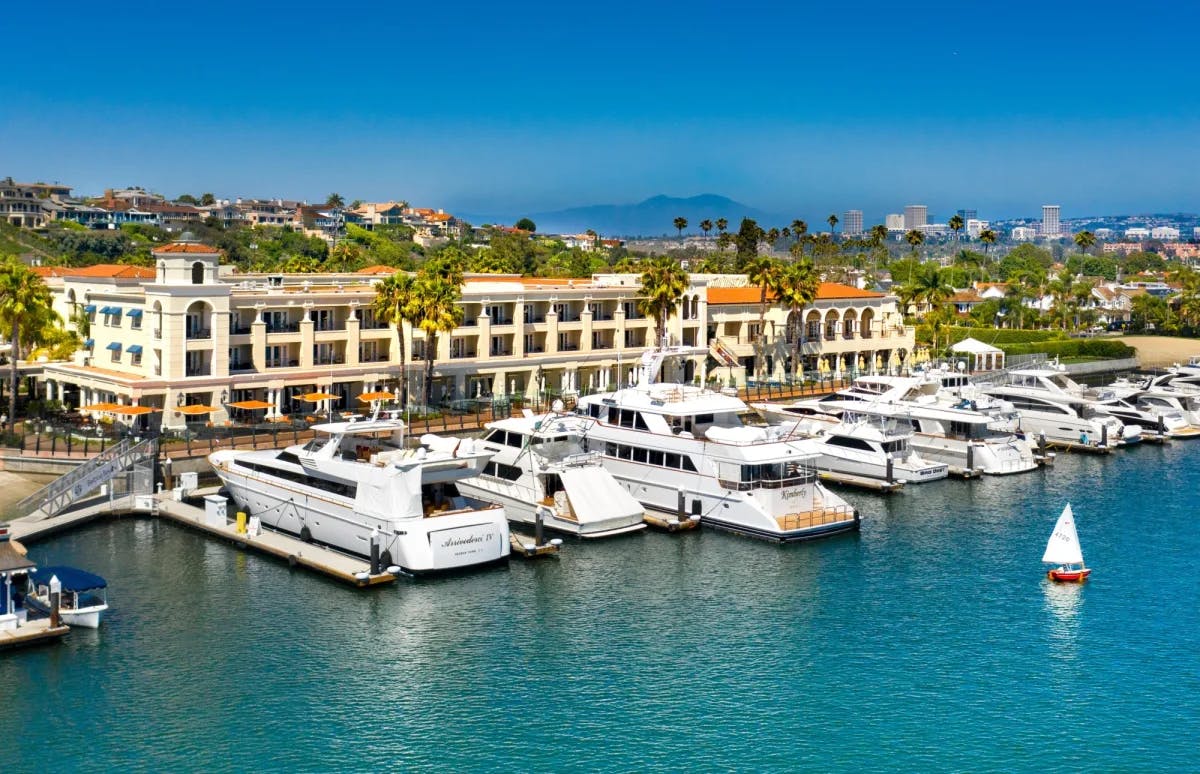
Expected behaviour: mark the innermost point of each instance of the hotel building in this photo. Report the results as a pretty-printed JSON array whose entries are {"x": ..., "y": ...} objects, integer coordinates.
[
  {"x": 191, "y": 331},
  {"x": 852, "y": 223},
  {"x": 1051, "y": 225},
  {"x": 915, "y": 216}
]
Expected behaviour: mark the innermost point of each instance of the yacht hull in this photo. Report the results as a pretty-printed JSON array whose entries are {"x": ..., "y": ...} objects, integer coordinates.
[
  {"x": 878, "y": 470},
  {"x": 445, "y": 541},
  {"x": 993, "y": 459},
  {"x": 520, "y": 510}
]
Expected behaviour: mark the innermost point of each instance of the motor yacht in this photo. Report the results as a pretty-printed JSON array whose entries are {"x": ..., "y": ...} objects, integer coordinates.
[
  {"x": 356, "y": 482},
  {"x": 1051, "y": 404},
  {"x": 684, "y": 451},
  {"x": 540, "y": 463},
  {"x": 870, "y": 445},
  {"x": 1155, "y": 415}
]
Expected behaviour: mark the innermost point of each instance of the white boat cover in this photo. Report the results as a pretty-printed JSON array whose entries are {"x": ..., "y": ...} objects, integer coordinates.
[
  {"x": 597, "y": 498},
  {"x": 1063, "y": 547}
]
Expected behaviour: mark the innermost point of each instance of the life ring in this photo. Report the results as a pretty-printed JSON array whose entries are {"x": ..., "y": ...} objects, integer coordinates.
[{"x": 306, "y": 534}]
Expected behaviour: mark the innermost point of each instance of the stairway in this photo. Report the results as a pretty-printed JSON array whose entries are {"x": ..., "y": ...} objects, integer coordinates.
[{"x": 53, "y": 498}]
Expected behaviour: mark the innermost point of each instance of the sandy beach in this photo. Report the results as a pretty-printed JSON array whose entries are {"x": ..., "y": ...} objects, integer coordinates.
[{"x": 1160, "y": 351}]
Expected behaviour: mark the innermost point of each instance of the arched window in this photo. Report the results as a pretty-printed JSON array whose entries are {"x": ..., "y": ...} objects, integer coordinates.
[
  {"x": 197, "y": 273},
  {"x": 162, "y": 271}
]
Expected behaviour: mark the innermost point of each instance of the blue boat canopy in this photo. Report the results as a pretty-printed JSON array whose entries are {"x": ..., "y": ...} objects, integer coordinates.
[
  {"x": 114, "y": 346},
  {"x": 90, "y": 308},
  {"x": 134, "y": 313},
  {"x": 89, "y": 343},
  {"x": 135, "y": 349},
  {"x": 71, "y": 578}
]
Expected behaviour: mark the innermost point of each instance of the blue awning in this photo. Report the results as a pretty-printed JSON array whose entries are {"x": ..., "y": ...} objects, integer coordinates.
[
  {"x": 135, "y": 349},
  {"x": 105, "y": 310},
  {"x": 90, "y": 308},
  {"x": 134, "y": 313},
  {"x": 72, "y": 579},
  {"x": 89, "y": 343},
  {"x": 114, "y": 310},
  {"x": 116, "y": 345}
]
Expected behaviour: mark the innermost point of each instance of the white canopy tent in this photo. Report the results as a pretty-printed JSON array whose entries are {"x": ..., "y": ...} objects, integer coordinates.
[{"x": 981, "y": 357}]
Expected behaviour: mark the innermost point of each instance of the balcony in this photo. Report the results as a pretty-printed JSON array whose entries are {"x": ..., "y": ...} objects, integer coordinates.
[
  {"x": 282, "y": 363},
  {"x": 239, "y": 368},
  {"x": 201, "y": 370},
  {"x": 462, "y": 354},
  {"x": 500, "y": 352},
  {"x": 199, "y": 333},
  {"x": 293, "y": 327},
  {"x": 378, "y": 357},
  {"x": 239, "y": 330},
  {"x": 535, "y": 318},
  {"x": 329, "y": 360}
]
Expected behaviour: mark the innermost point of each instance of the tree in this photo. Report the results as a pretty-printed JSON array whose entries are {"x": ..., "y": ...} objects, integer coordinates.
[
  {"x": 663, "y": 285},
  {"x": 956, "y": 225},
  {"x": 988, "y": 237},
  {"x": 1060, "y": 287},
  {"x": 1084, "y": 240},
  {"x": 764, "y": 272},
  {"x": 749, "y": 235},
  {"x": 207, "y": 200},
  {"x": 706, "y": 226},
  {"x": 680, "y": 225},
  {"x": 187, "y": 199},
  {"x": 722, "y": 224},
  {"x": 799, "y": 228},
  {"x": 25, "y": 303},
  {"x": 335, "y": 200},
  {"x": 437, "y": 290},
  {"x": 879, "y": 235},
  {"x": 1149, "y": 312},
  {"x": 724, "y": 241},
  {"x": 395, "y": 303},
  {"x": 832, "y": 220},
  {"x": 526, "y": 224},
  {"x": 932, "y": 286},
  {"x": 344, "y": 256},
  {"x": 915, "y": 239},
  {"x": 797, "y": 288}
]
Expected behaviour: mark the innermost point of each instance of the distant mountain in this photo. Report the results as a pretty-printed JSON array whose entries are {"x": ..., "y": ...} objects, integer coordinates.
[{"x": 652, "y": 217}]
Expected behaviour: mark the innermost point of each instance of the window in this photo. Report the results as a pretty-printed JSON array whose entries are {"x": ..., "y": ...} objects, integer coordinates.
[
  {"x": 671, "y": 460},
  {"x": 656, "y": 458},
  {"x": 639, "y": 455},
  {"x": 197, "y": 273},
  {"x": 849, "y": 443},
  {"x": 515, "y": 440},
  {"x": 891, "y": 447},
  {"x": 500, "y": 470}
]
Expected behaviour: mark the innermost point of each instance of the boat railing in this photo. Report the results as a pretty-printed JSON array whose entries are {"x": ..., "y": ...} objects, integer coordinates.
[
  {"x": 1013, "y": 363},
  {"x": 817, "y": 516},
  {"x": 806, "y": 477}
]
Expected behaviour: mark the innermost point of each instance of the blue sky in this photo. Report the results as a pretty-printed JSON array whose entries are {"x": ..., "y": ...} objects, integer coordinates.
[{"x": 501, "y": 108}]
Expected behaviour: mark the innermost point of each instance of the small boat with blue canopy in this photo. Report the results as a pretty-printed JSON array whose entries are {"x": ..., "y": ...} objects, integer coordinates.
[{"x": 83, "y": 594}]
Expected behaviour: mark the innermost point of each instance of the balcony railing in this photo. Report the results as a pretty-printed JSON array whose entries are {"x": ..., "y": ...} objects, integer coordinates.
[
  {"x": 283, "y": 328},
  {"x": 376, "y": 358},
  {"x": 501, "y": 351},
  {"x": 198, "y": 371},
  {"x": 281, "y": 363},
  {"x": 329, "y": 360},
  {"x": 235, "y": 368},
  {"x": 239, "y": 330},
  {"x": 535, "y": 318},
  {"x": 332, "y": 326},
  {"x": 158, "y": 333},
  {"x": 199, "y": 333},
  {"x": 462, "y": 354}
]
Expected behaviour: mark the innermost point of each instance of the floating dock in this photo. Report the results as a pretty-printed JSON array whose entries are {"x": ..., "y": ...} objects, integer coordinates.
[
  {"x": 526, "y": 546},
  {"x": 962, "y": 472},
  {"x": 36, "y": 632},
  {"x": 861, "y": 482},
  {"x": 671, "y": 523}
]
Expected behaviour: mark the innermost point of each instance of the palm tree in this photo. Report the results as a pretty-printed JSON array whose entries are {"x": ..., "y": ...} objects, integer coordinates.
[
  {"x": 25, "y": 301},
  {"x": 799, "y": 228},
  {"x": 724, "y": 241},
  {"x": 797, "y": 288},
  {"x": 956, "y": 225},
  {"x": 706, "y": 226},
  {"x": 772, "y": 236},
  {"x": 932, "y": 286},
  {"x": 722, "y": 224},
  {"x": 764, "y": 272},
  {"x": 335, "y": 200},
  {"x": 395, "y": 303},
  {"x": 1060, "y": 288},
  {"x": 680, "y": 225},
  {"x": 915, "y": 239},
  {"x": 437, "y": 311},
  {"x": 988, "y": 237},
  {"x": 879, "y": 235},
  {"x": 663, "y": 284},
  {"x": 832, "y": 220},
  {"x": 1084, "y": 240}
]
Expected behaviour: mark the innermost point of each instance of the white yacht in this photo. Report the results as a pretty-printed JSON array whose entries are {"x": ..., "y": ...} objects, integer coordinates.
[
  {"x": 540, "y": 464},
  {"x": 356, "y": 481},
  {"x": 684, "y": 451},
  {"x": 1050, "y": 403},
  {"x": 971, "y": 435},
  {"x": 1134, "y": 405},
  {"x": 872, "y": 446}
]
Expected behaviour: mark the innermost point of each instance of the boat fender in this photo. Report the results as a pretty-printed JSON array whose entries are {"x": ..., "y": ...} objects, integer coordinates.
[
  {"x": 292, "y": 560},
  {"x": 385, "y": 559},
  {"x": 306, "y": 534}
]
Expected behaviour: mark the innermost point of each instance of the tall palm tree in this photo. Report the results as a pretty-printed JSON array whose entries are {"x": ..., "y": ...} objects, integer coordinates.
[
  {"x": 915, "y": 239},
  {"x": 933, "y": 286},
  {"x": 396, "y": 303},
  {"x": 988, "y": 237},
  {"x": 797, "y": 288},
  {"x": 832, "y": 220},
  {"x": 765, "y": 273},
  {"x": 437, "y": 312},
  {"x": 879, "y": 235},
  {"x": 706, "y": 226},
  {"x": 24, "y": 299},
  {"x": 956, "y": 225},
  {"x": 680, "y": 225},
  {"x": 722, "y": 224},
  {"x": 799, "y": 228},
  {"x": 772, "y": 236},
  {"x": 663, "y": 284},
  {"x": 335, "y": 200},
  {"x": 1084, "y": 240},
  {"x": 1060, "y": 288}
]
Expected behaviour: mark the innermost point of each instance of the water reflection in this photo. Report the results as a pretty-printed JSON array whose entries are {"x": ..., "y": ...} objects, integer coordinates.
[{"x": 1064, "y": 601}]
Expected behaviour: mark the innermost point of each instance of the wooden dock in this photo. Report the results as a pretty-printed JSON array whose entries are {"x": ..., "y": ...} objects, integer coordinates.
[
  {"x": 860, "y": 482},
  {"x": 671, "y": 523},
  {"x": 526, "y": 547},
  {"x": 36, "y": 632},
  {"x": 294, "y": 551}
]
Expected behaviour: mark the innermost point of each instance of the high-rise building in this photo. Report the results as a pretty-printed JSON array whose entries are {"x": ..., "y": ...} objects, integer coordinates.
[
  {"x": 852, "y": 224},
  {"x": 915, "y": 216},
  {"x": 968, "y": 215},
  {"x": 975, "y": 226},
  {"x": 1050, "y": 220},
  {"x": 894, "y": 221}
]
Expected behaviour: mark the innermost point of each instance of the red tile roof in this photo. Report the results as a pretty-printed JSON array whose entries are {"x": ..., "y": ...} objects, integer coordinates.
[
  {"x": 378, "y": 269},
  {"x": 186, "y": 247},
  {"x": 111, "y": 270},
  {"x": 827, "y": 291}
]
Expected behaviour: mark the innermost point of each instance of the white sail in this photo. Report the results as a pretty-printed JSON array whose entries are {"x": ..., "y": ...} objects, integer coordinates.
[{"x": 1063, "y": 547}]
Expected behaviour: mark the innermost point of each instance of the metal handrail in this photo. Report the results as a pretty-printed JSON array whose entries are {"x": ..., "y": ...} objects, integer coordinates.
[{"x": 59, "y": 493}]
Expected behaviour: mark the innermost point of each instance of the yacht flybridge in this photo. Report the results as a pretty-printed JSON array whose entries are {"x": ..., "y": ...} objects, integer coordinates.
[
  {"x": 684, "y": 450},
  {"x": 356, "y": 481},
  {"x": 541, "y": 463}
]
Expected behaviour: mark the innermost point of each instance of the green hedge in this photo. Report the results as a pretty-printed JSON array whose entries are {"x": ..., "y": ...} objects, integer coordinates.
[
  {"x": 1098, "y": 348},
  {"x": 998, "y": 336}
]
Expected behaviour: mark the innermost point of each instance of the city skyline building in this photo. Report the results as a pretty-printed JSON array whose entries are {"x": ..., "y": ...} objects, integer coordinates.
[
  {"x": 852, "y": 223},
  {"x": 915, "y": 216},
  {"x": 894, "y": 221},
  {"x": 1051, "y": 223},
  {"x": 968, "y": 215}
]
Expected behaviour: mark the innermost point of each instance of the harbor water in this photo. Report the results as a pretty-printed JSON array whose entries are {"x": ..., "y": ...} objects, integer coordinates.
[{"x": 930, "y": 641}]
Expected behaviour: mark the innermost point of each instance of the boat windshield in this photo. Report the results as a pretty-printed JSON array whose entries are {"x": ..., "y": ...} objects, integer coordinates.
[{"x": 559, "y": 447}]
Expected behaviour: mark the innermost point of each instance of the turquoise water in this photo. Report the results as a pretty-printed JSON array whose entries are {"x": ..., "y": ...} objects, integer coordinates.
[{"x": 930, "y": 641}]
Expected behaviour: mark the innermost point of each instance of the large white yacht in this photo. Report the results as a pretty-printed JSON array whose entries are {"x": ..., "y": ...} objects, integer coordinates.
[
  {"x": 540, "y": 463},
  {"x": 970, "y": 435},
  {"x": 1052, "y": 404},
  {"x": 1151, "y": 410},
  {"x": 356, "y": 481},
  {"x": 684, "y": 451},
  {"x": 872, "y": 446}
]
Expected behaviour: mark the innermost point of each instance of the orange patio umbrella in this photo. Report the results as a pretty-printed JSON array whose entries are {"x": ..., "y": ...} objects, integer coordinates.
[
  {"x": 196, "y": 409},
  {"x": 317, "y": 397},
  {"x": 367, "y": 397},
  {"x": 99, "y": 407},
  {"x": 251, "y": 404},
  {"x": 134, "y": 411}
]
